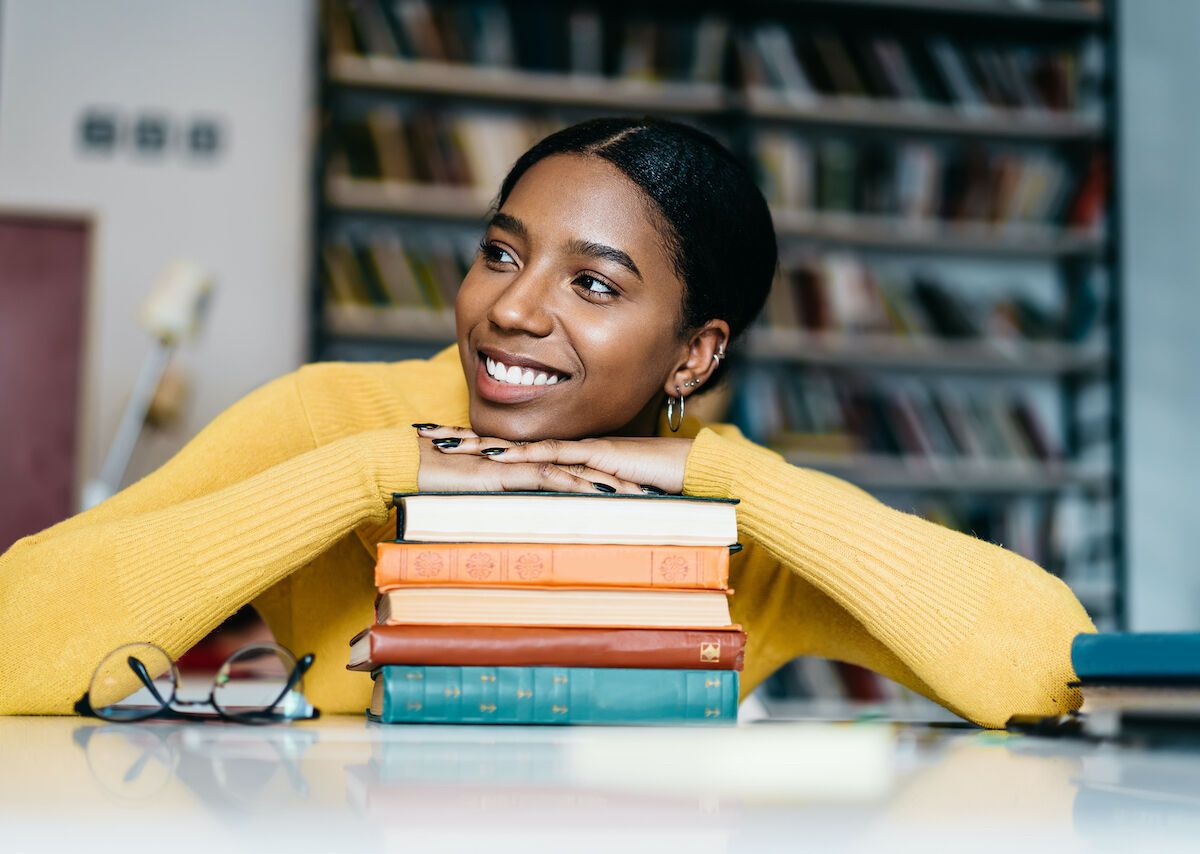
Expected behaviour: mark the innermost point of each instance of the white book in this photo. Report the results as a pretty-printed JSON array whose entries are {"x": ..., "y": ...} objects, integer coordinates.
[{"x": 559, "y": 517}]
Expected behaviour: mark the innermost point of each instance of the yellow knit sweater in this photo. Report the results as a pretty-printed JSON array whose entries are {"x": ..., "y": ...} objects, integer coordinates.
[{"x": 281, "y": 499}]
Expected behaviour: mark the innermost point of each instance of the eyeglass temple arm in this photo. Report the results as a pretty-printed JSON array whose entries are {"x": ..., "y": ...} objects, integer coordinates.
[
  {"x": 137, "y": 667},
  {"x": 297, "y": 674}
]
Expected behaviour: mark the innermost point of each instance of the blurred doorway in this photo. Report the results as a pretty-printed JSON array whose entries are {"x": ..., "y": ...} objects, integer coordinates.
[{"x": 43, "y": 276}]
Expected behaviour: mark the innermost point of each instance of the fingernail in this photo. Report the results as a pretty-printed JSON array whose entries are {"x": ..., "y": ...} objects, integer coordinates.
[
  {"x": 603, "y": 487},
  {"x": 491, "y": 452},
  {"x": 651, "y": 490},
  {"x": 447, "y": 443},
  {"x": 426, "y": 426}
]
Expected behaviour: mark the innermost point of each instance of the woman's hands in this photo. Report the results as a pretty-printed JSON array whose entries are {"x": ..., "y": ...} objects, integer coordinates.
[{"x": 455, "y": 458}]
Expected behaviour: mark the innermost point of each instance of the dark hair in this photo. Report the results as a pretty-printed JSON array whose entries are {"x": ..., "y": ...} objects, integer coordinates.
[{"x": 713, "y": 218}]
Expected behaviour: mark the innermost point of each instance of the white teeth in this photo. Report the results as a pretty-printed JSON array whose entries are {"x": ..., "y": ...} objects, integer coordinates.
[{"x": 518, "y": 376}]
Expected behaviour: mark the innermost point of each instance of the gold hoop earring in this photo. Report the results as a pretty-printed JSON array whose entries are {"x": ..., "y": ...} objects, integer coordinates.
[{"x": 671, "y": 422}]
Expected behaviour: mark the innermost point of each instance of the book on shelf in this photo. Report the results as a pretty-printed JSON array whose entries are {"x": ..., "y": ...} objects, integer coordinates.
[
  {"x": 547, "y": 646},
  {"x": 548, "y": 38},
  {"x": 460, "y": 147},
  {"x": 553, "y": 517},
  {"x": 922, "y": 182},
  {"x": 563, "y": 564},
  {"x": 809, "y": 65},
  {"x": 844, "y": 294},
  {"x": 384, "y": 268},
  {"x": 554, "y": 695},
  {"x": 559, "y": 606},
  {"x": 914, "y": 420}
]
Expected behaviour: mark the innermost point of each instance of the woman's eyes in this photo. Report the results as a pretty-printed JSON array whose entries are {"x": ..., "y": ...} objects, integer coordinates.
[
  {"x": 494, "y": 254},
  {"x": 595, "y": 289}
]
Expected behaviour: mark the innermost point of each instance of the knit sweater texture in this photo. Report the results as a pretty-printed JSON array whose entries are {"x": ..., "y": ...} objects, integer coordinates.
[{"x": 280, "y": 501}]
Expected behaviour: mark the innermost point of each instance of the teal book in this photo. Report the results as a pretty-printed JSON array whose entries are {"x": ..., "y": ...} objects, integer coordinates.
[
  {"x": 1137, "y": 657},
  {"x": 553, "y": 695}
]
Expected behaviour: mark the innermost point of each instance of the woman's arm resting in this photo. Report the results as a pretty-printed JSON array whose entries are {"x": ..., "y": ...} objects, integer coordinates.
[
  {"x": 166, "y": 560},
  {"x": 987, "y": 630}
]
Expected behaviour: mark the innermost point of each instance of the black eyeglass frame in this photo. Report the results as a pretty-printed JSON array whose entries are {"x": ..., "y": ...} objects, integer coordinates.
[{"x": 266, "y": 715}]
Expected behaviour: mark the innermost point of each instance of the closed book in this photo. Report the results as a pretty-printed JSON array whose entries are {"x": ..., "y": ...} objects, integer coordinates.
[
  {"x": 1137, "y": 657},
  {"x": 553, "y": 695},
  {"x": 1123, "y": 697},
  {"x": 547, "y": 646},
  {"x": 562, "y": 517},
  {"x": 552, "y": 565},
  {"x": 563, "y": 606}
]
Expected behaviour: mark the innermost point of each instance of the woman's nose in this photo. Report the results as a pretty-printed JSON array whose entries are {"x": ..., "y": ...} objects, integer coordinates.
[{"x": 523, "y": 305}]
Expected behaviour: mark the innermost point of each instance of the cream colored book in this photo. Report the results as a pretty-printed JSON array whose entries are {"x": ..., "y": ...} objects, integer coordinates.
[
  {"x": 693, "y": 609},
  {"x": 558, "y": 517}
]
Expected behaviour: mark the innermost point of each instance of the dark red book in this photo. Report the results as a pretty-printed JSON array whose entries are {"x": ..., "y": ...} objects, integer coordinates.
[{"x": 543, "y": 646}]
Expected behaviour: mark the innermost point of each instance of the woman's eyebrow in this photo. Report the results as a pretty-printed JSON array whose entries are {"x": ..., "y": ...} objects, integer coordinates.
[
  {"x": 609, "y": 253},
  {"x": 509, "y": 223}
]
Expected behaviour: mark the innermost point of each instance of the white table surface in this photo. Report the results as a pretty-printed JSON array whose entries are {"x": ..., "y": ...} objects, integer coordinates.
[{"x": 343, "y": 784}]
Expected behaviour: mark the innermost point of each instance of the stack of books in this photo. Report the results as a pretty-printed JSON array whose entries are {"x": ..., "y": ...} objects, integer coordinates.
[
  {"x": 1140, "y": 686},
  {"x": 554, "y": 608}
]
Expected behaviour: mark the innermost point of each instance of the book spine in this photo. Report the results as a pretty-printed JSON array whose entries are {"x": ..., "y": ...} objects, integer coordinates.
[
  {"x": 520, "y": 565},
  {"x": 533, "y": 646},
  {"x": 557, "y": 695},
  {"x": 1136, "y": 656}
]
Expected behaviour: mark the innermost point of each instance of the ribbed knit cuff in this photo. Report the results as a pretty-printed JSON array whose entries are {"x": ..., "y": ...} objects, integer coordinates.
[
  {"x": 393, "y": 458},
  {"x": 714, "y": 462}
]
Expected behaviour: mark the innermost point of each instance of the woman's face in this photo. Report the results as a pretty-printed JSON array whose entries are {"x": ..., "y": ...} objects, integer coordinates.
[{"x": 568, "y": 321}]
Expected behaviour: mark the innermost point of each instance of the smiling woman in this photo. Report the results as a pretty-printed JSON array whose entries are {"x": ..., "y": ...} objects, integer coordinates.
[{"x": 622, "y": 260}]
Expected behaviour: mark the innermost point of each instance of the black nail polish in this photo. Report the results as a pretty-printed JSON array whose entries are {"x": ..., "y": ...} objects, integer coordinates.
[
  {"x": 603, "y": 487},
  {"x": 492, "y": 452},
  {"x": 426, "y": 426},
  {"x": 447, "y": 443},
  {"x": 651, "y": 490}
]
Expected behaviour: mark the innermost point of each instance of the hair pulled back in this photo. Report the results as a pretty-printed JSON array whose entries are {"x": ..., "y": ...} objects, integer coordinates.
[{"x": 712, "y": 217}]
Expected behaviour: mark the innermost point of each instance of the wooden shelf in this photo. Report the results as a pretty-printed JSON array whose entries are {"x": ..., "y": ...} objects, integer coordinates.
[
  {"x": 864, "y": 231},
  {"x": 919, "y": 117},
  {"x": 1076, "y": 14},
  {"x": 403, "y": 199},
  {"x": 389, "y": 322},
  {"x": 515, "y": 85},
  {"x": 884, "y": 352},
  {"x": 867, "y": 231},
  {"x": 899, "y": 474}
]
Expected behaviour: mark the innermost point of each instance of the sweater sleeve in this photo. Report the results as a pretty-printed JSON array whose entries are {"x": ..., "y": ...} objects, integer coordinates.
[
  {"x": 245, "y": 503},
  {"x": 986, "y": 630}
]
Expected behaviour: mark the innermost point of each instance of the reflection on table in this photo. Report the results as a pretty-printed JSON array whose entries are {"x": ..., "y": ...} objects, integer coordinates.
[{"x": 343, "y": 782}]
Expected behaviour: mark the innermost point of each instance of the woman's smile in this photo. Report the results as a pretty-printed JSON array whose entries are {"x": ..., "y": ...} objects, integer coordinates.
[{"x": 503, "y": 377}]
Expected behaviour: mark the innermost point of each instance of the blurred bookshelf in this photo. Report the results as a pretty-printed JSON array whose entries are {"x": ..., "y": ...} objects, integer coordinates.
[{"x": 943, "y": 331}]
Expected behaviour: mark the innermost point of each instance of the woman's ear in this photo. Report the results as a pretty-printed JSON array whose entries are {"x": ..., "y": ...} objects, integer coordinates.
[{"x": 705, "y": 349}]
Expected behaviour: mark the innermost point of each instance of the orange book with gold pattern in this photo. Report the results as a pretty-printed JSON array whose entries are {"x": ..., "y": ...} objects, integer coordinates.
[{"x": 551, "y": 565}]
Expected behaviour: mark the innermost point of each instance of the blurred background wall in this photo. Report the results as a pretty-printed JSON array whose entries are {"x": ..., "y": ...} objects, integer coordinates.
[
  {"x": 1160, "y": 138},
  {"x": 241, "y": 211}
]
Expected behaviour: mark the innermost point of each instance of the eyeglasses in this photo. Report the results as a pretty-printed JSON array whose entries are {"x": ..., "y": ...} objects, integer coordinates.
[{"x": 260, "y": 683}]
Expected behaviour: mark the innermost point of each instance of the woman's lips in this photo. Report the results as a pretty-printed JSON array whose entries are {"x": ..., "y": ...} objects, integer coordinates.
[{"x": 498, "y": 392}]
